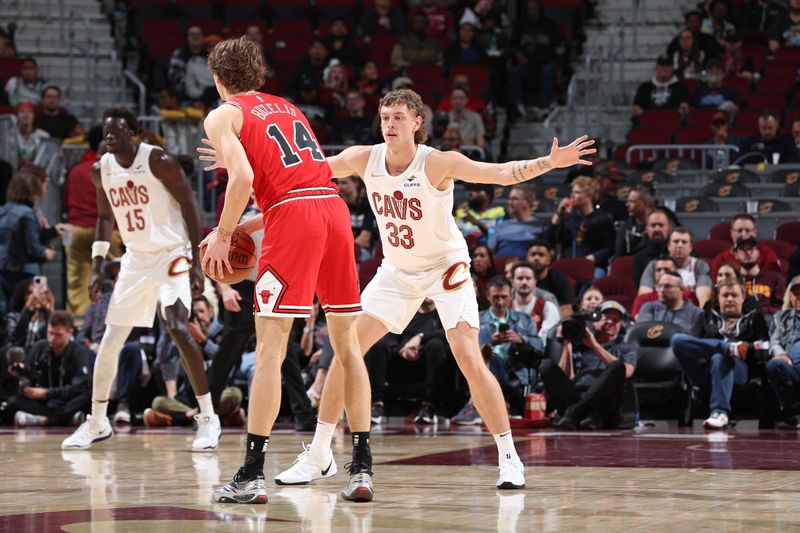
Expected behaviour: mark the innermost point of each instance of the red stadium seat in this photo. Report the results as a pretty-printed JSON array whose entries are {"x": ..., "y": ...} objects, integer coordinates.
[
  {"x": 621, "y": 267},
  {"x": 649, "y": 136},
  {"x": 667, "y": 119},
  {"x": 747, "y": 119},
  {"x": 289, "y": 28},
  {"x": 9, "y": 67},
  {"x": 577, "y": 268},
  {"x": 615, "y": 285},
  {"x": 478, "y": 77},
  {"x": 779, "y": 86},
  {"x": 720, "y": 231},
  {"x": 695, "y": 135},
  {"x": 755, "y": 38},
  {"x": 788, "y": 232},
  {"x": 782, "y": 249},
  {"x": 702, "y": 117},
  {"x": 741, "y": 85},
  {"x": 210, "y": 26},
  {"x": 710, "y": 247},
  {"x": 500, "y": 263},
  {"x": 691, "y": 85},
  {"x": 788, "y": 54},
  {"x": 781, "y": 70},
  {"x": 759, "y": 101},
  {"x": 758, "y": 54}
]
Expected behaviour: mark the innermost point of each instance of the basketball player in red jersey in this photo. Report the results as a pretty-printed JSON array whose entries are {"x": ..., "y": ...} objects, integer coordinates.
[{"x": 269, "y": 147}]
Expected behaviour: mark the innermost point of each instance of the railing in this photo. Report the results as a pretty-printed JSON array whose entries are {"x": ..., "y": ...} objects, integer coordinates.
[{"x": 692, "y": 151}]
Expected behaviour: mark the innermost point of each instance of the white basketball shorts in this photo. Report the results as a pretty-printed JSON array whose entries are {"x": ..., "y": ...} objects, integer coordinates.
[
  {"x": 145, "y": 280},
  {"x": 394, "y": 295}
]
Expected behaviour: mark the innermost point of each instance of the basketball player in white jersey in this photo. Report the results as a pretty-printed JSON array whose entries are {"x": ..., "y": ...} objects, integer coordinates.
[
  {"x": 410, "y": 189},
  {"x": 145, "y": 191}
]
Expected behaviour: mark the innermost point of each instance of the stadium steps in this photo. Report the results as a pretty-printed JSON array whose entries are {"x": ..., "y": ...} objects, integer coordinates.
[{"x": 39, "y": 35}]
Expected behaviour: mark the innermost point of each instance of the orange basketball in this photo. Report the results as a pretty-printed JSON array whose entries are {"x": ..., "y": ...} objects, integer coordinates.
[{"x": 242, "y": 257}]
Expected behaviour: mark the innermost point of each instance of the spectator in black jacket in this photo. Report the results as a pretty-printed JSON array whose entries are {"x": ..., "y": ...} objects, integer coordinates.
[
  {"x": 382, "y": 17},
  {"x": 776, "y": 147},
  {"x": 580, "y": 229},
  {"x": 758, "y": 15},
  {"x": 341, "y": 44},
  {"x": 55, "y": 378},
  {"x": 707, "y": 43},
  {"x": 422, "y": 344},
  {"x": 466, "y": 49},
  {"x": 607, "y": 179},
  {"x": 664, "y": 91},
  {"x": 656, "y": 233},
  {"x": 630, "y": 234},
  {"x": 724, "y": 349}
]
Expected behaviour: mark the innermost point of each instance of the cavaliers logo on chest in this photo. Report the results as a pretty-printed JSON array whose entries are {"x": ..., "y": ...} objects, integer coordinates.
[{"x": 396, "y": 206}]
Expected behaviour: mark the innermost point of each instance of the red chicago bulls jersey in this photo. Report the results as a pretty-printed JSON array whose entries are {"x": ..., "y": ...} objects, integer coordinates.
[{"x": 277, "y": 138}]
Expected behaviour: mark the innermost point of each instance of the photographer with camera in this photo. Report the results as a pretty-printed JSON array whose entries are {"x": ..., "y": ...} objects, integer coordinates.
[
  {"x": 31, "y": 324},
  {"x": 730, "y": 341},
  {"x": 510, "y": 346},
  {"x": 54, "y": 378},
  {"x": 586, "y": 385}
]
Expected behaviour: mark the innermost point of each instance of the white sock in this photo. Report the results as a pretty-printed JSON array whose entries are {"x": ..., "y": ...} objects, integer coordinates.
[
  {"x": 99, "y": 410},
  {"x": 322, "y": 439},
  {"x": 206, "y": 407},
  {"x": 505, "y": 447}
]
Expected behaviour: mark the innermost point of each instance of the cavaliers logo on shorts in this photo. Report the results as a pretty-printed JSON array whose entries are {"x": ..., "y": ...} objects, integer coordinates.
[{"x": 456, "y": 276}]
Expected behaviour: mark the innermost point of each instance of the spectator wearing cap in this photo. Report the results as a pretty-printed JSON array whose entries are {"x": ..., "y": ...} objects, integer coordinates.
[
  {"x": 54, "y": 119},
  {"x": 671, "y": 306},
  {"x": 734, "y": 63},
  {"x": 695, "y": 273},
  {"x": 511, "y": 236},
  {"x": 478, "y": 217},
  {"x": 723, "y": 350},
  {"x": 417, "y": 47},
  {"x": 757, "y": 16},
  {"x": 743, "y": 225},
  {"x": 717, "y": 24},
  {"x": 688, "y": 59},
  {"x": 783, "y": 370},
  {"x": 656, "y": 233},
  {"x": 29, "y": 136},
  {"x": 720, "y": 135},
  {"x": 664, "y": 91},
  {"x": 607, "y": 179},
  {"x": 586, "y": 386},
  {"x": 27, "y": 87},
  {"x": 693, "y": 21},
  {"x": 581, "y": 230},
  {"x": 774, "y": 146},
  {"x": 766, "y": 286},
  {"x": 540, "y": 255},
  {"x": 465, "y": 121},
  {"x": 630, "y": 233},
  {"x": 784, "y": 29},
  {"x": 711, "y": 94}
]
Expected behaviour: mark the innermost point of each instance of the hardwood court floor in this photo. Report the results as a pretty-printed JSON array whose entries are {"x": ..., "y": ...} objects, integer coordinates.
[{"x": 426, "y": 479}]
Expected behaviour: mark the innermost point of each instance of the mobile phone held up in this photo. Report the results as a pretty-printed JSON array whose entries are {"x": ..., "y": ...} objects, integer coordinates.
[{"x": 40, "y": 283}]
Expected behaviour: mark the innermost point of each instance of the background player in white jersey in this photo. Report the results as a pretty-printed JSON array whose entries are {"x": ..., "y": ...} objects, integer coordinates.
[
  {"x": 410, "y": 188},
  {"x": 145, "y": 190}
]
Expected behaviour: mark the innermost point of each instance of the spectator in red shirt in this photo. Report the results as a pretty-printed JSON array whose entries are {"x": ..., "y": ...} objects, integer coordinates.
[
  {"x": 440, "y": 20},
  {"x": 80, "y": 207},
  {"x": 743, "y": 226},
  {"x": 474, "y": 103}
]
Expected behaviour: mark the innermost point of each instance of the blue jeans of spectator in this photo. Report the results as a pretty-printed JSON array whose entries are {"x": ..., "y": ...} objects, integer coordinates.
[
  {"x": 702, "y": 359},
  {"x": 128, "y": 370},
  {"x": 784, "y": 378}
]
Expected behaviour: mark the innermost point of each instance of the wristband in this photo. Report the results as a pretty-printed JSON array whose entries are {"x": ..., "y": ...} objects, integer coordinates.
[
  {"x": 306, "y": 329},
  {"x": 100, "y": 249}
]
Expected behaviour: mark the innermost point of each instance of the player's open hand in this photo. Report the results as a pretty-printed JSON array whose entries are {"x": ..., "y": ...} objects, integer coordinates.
[
  {"x": 210, "y": 154},
  {"x": 572, "y": 154},
  {"x": 215, "y": 258}
]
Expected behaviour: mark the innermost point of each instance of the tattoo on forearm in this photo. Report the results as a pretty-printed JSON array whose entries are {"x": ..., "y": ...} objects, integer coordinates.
[
  {"x": 543, "y": 164},
  {"x": 224, "y": 234},
  {"x": 516, "y": 171}
]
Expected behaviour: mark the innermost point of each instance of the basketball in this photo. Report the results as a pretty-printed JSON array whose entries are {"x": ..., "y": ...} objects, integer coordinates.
[{"x": 242, "y": 257}]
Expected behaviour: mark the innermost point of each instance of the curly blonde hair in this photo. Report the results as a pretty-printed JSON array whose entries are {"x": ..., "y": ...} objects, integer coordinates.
[{"x": 413, "y": 102}]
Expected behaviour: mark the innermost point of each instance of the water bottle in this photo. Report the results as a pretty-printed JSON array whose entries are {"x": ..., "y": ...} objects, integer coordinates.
[{"x": 720, "y": 160}]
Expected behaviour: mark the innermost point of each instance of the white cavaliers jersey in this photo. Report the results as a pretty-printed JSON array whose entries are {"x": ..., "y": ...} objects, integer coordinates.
[
  {"x": 149, "y": 218},
  {"x": 414, "y": 218}
]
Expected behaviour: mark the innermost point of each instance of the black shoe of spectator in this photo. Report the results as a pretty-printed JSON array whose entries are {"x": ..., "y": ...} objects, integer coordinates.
[
  {"x": 592, "y": 422},
  {"x": 426, "y": 415},
  {"x": 307, "y": 424},
  {"x": 566, "y": 421},
  {"x": 790, "y": 422}
]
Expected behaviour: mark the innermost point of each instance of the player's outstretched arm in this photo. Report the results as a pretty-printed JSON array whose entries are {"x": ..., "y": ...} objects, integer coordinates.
[
  {"x": 454, "y": 165},
  {"x": 166, "y": 168},
  {"x": 222, "y": 127},
  {"x": 350, "y": 162}
]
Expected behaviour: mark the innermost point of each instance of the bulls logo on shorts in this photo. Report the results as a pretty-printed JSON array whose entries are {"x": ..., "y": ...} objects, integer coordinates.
[{"x": 269, "y": 292}]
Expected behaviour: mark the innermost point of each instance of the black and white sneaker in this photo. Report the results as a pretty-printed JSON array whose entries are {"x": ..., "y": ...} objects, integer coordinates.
[
  {"x": 377, "y": 413},
  {"x": 242, "y": 490},
  {"x": 426, "y": 415}
]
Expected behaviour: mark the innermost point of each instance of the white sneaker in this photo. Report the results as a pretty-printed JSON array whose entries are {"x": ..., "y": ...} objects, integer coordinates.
[
  {"x": 512, "y": 475},
  {"x": 21, "y": 418},
  {"x": 208, "y": 433},
  {"x": 305, "y": 470},
  {"x": 717, "y": 420},
  {"x": 122, "y": 416},
  {"x": 91, "y": 431}
]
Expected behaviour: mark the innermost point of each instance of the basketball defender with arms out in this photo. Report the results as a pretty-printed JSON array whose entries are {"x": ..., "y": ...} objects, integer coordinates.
[
  {"x": 410, "y": 187},
  {"x": 145, "y": 190},
  {"x": 307, "y": 248}
]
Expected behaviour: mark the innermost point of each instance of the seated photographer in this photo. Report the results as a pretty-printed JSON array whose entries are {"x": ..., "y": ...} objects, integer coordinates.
[
  {"x": 54, "y": 380},
  {"x": 723, "y": 350},
  {"x": 784, "y": 347},
  {"x": 422, "y": 346},
  {"x": 586, "y": 386},
  {"x": 545, "y": 313},
  {"x": 672, "y": 307},
  {"x": 509, "y": 342}
]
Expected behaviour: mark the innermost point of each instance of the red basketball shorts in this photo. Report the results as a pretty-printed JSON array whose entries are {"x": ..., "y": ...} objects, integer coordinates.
[{"x": 307, "y": 248}]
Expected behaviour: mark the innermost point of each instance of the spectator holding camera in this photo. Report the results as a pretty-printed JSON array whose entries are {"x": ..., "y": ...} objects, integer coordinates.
[
  {"x": 545, "y": 313},
  {"x": 31, "y": 324},
  {"x": 784, "y": 347},
  {"x": 672, "y": 307},
  {"x": 509, "y": 342},
  {"x": 723, "y": 350},
  {"x": 586, "y": 385},
  {"x": 54, "y": 379}
]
